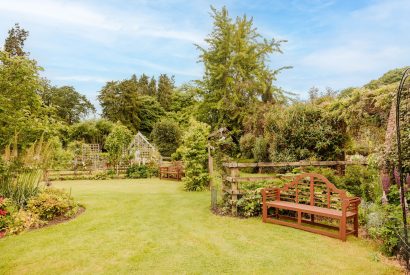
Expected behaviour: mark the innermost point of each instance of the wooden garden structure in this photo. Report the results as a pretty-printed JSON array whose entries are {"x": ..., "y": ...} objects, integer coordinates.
[
  {"x": 309, "y": 196},
  {"x": 142, "y": 150},
  {"x": 232, "y": 180},
  {"x": 90, "y": 155},
  {"x": 173, "y": 170}
]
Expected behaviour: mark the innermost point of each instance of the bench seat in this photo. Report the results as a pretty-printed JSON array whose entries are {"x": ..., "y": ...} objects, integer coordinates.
[{"x": 304, "y": 208}]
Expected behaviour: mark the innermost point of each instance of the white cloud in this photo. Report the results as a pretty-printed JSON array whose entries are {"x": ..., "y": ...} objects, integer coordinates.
[
  {"x": 91, "y": 19},
  {"x": 61, "y": 12}
]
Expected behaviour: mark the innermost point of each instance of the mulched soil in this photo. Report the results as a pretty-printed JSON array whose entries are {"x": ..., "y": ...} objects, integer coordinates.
[{"x": 61, "y": 219}]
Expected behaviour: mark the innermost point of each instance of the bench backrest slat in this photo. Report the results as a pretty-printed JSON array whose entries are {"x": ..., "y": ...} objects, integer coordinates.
[{"x": 313, "y": 189}]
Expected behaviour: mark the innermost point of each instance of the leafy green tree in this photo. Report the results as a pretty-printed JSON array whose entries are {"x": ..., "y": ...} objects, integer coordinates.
[
  {"x": 21, "y": 109},
  {"x": 116, "y": 143},
  {"x": 194, "y": 154},
  {"x": 152, "y": 87},
  {"x": 70, "y": 106},
  {"x": 183, "y": 97},
  {"x": 143, "y": 84},
  {"x": 166, "y": 135},
  {"x": 91, "y": 131},
  {"x": 165, "y": 90},
  {"x": 15, "y": 41},
  {"x": 121, "y": 101},
  {"x": 236, "y": 71},
  {"x": 149, "y": 112},
  {"x": 184, "y": 104}
]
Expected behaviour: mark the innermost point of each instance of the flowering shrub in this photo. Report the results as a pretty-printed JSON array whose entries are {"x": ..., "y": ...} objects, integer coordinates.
[
  {"x": 51, "y": 203},
  {"x": 3, "y": 214},
  {"x": 45, "y": 206},
  {"x": 23, "y": 220}
]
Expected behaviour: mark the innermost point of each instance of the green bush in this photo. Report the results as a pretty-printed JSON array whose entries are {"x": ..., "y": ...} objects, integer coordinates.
[
  {"x": 104, "y": 175},
  {"x": 305, "y": 131},
  {"x": 362, "y": 181},
  {"x": 381, "y": 224},
  {"x": 136, "y": 171},
  {"x": 51, "y": 203},
  {"x": 249, "y": 203}
]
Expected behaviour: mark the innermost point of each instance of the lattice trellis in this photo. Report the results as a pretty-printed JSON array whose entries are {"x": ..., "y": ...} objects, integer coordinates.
[{"x": 91, "y": 155}]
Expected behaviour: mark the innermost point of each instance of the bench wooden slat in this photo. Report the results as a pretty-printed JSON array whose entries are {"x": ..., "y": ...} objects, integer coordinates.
[{"x": 332, "y": 213}]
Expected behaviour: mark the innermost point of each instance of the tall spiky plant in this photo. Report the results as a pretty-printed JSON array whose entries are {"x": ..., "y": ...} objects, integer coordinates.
[{"x": 22, "y": 174}]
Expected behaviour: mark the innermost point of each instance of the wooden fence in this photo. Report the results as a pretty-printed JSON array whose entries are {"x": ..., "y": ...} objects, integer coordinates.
[
  {"x": 64, "y": 174},
  {"x": 232, "y": 179}
]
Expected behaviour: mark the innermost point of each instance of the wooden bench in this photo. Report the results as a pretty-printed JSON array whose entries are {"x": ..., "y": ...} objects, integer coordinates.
[
  {"x": 171, "y": 172},
  {"x": 309, "y": 203}
]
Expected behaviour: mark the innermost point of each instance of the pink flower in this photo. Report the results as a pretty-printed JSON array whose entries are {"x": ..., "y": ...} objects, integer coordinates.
[{"x": 3, "y": 212}]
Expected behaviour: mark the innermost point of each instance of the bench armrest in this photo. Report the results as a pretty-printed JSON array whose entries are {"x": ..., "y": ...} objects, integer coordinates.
[
  {"x": 352, "y": 204},
  {"x": 267, "y": 193}
]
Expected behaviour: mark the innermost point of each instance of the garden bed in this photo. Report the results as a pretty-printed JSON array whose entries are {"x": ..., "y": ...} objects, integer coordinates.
[{"x": 55, "y": 221}]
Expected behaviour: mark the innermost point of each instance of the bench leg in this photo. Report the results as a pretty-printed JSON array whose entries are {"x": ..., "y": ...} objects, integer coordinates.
[
  {"x": 356, "y": 225},
  {"x": 312, "y": 218},
  {"x": 264, "y": 212},
  {"x": 342, "y": 229},
  {"x": 299, "y": 217}
]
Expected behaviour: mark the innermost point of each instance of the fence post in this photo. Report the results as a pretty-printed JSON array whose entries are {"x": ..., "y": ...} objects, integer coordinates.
[
  {"x": 214, "y": 198},
  {"x": 234, "y": 190}
]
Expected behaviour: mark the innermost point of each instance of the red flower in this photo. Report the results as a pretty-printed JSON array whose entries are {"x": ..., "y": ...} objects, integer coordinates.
[{"x": 3, "y": 212}]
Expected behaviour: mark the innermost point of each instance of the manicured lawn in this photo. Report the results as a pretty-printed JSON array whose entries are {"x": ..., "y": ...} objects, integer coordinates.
[{"x": 145, "y": 226}]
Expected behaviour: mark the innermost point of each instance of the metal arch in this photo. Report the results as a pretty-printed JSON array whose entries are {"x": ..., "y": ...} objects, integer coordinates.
[{"x": 406, "y": 74}]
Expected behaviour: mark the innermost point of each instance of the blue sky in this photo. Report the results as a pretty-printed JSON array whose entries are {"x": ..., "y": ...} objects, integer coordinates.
[{"x": 333, "y": 44}]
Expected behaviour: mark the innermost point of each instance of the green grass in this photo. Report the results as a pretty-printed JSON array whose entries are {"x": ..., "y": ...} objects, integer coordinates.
[{"x": 152, "y": 226}]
